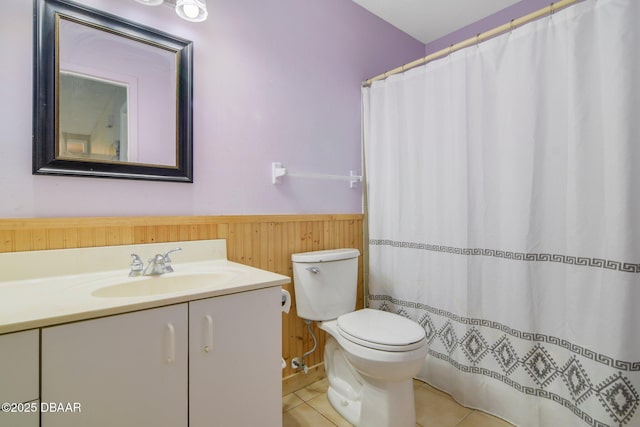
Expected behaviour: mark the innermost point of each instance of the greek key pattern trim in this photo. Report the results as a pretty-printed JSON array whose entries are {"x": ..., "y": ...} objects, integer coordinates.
[
  {"x": 626, "y": 267},
  {"x": 529, "y": 336}
]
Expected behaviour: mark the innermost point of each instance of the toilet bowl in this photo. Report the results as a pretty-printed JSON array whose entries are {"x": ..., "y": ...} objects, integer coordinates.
[
  {"x": 370, "y": 356},
  {"x": 384, "y": 376}
]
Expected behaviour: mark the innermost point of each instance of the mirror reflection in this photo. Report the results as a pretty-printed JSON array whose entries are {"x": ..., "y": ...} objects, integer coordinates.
[
  {"x": 93, "y": 119},
  {"x": 97, "y": 69}
]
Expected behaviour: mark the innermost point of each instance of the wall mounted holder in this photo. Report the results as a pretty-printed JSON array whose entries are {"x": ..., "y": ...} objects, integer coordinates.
[{"x": 278, "y": 172}]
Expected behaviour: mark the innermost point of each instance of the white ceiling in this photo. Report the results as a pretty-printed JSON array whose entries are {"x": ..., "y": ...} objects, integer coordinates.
[{"x": 428, "y": 20}]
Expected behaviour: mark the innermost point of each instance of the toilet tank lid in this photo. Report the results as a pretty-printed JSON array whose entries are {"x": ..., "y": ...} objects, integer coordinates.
[{"x": 325, "y": 256}]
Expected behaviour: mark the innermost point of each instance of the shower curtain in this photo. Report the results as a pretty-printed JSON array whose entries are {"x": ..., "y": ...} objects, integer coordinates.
[{"x": 504, "y": 216}]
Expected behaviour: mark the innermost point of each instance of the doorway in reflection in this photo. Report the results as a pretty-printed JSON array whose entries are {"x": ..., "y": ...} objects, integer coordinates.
[{"x": 93, "y": 118}]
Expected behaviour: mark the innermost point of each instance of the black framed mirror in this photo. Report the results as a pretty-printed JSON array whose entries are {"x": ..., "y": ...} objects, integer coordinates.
[{"x": 112, "y": 98}]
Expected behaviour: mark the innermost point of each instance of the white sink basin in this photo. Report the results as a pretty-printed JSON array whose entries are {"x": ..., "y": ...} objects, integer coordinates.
[{"x": 163, "y": 284}]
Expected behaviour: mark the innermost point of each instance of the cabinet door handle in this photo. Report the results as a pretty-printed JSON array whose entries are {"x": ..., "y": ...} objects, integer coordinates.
[
  {"x": 209, "y": 334},
  {"x": 171, "y": 343}
]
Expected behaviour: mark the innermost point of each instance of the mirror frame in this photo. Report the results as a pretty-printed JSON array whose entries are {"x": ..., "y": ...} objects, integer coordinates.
[{"x": 45, "y": 95}]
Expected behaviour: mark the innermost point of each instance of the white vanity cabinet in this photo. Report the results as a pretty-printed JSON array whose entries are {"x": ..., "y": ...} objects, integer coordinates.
[
  {"x": 209, "y": 362},
  {"x": 19, "y": 362},
  {"x": 197, "y": 347},
  {"x": 235, "y": 376},
  {"x": 127, "y": 370}
]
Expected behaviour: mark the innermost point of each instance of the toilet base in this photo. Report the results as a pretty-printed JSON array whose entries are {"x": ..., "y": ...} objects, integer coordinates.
[
  {"x": 388, "y": 404},
  {"x": 349, "y": 409},
  {"x": 380, "y": 405},
  {"x": 363, "y": 400}
]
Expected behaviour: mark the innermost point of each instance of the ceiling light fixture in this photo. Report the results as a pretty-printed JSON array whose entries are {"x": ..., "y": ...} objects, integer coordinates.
[
  {"x": 151, "y": 2},
  {"x": 190, "y": 10}
]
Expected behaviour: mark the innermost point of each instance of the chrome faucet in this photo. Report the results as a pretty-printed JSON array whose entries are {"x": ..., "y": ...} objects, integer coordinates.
[
  {"x": 159, "y": 264},
  {"x": 137, "y": 266}
]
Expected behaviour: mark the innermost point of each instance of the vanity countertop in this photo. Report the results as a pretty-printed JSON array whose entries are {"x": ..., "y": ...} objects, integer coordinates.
[{"x": 44, "y": 288}]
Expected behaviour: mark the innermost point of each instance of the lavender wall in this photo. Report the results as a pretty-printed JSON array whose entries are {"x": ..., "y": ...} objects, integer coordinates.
[
  {"x": 275, "y": 80},
  {"x": 504, "y": 16}
]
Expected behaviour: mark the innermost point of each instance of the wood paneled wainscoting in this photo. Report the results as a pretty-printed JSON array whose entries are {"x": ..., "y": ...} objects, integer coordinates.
[{"x": 263, "y": 241}]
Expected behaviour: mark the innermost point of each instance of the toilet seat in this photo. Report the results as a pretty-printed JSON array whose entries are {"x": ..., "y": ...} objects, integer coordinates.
[{"x": 381, "y": 330}]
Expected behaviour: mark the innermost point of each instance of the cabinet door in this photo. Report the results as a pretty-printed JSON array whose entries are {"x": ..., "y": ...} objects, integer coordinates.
[
  {"x": 25, "y": 415},
  {"x": 19, "y": 358},
  {"x": 19, "y": 373},
  {"x": 127, "y": 370},
  {"x": 235, "y": 375}
]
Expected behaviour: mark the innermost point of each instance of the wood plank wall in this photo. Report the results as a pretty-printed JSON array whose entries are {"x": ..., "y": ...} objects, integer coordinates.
[{"x": 263, "y": 241}]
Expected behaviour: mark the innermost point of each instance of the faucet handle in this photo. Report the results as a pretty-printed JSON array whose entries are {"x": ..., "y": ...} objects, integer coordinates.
[
  {"x": 166, "y": 254},
  {"x": 167, "y": 261},
  {"x": 136, "y": 266}
]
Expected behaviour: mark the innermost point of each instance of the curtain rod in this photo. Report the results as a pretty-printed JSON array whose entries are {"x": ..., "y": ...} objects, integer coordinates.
[{"x": 548, "y": 10}]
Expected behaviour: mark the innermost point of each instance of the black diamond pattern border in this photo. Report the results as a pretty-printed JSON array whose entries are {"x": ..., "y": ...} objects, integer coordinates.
[
  {"x": 576, "y": 380},
  {"x": 540, "y": 366},
  {"x": 474, "y": 345},
  {"x": 448, "y": 337},
  {"x": 505, "y": 355},
  {"x": 622, "y": 365},
  {"x": 430, "y": 330},
  {"x": 619, "y": 397},
  {"x": 617, "y": 394}
]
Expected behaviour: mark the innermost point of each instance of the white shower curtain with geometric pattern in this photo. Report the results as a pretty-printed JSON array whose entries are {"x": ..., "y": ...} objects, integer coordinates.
[{"x": 503, "y": 188}]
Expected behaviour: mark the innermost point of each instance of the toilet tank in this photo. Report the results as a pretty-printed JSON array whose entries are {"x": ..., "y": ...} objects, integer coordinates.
[{"x": 325, "y": 283}]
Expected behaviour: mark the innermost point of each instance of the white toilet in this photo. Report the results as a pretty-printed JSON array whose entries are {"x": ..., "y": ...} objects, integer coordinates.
[{"x": 370, "y": 356}]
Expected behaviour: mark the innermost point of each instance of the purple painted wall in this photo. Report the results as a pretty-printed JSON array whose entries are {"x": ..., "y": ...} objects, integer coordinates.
[
  {"x": 504, "y": 16},
  {"x": 275, "y": 80}
]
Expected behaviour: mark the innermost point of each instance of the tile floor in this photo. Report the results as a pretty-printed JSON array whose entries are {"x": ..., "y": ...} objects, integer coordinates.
[{"x": 309, "y": 407}]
